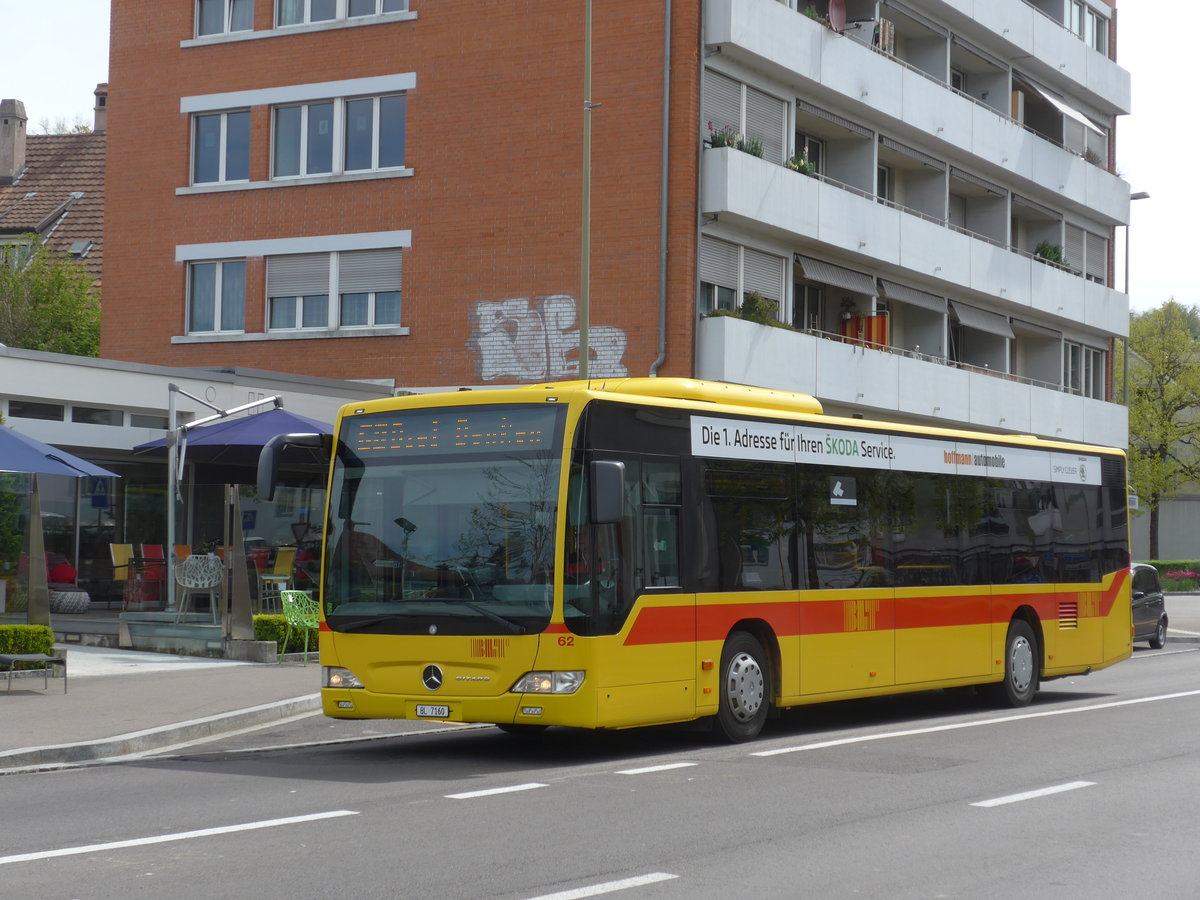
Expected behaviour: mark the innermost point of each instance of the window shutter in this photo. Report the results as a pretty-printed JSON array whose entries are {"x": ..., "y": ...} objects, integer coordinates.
[
  {"x": 297, "y": 276},
  {"x": 1074, "y": 248},
  {"x": 1096, "y": 266},
  {"x": 763, "y": 273},
  {"x": 718, "y": 262},
  {"x": 722, "y": 103},
  {"x": 363, "y": 271},
  {"x": 765, "y": 117}
]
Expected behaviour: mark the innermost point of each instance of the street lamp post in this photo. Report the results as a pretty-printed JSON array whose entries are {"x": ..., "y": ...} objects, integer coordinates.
[{"x": 1140, "y": 195}]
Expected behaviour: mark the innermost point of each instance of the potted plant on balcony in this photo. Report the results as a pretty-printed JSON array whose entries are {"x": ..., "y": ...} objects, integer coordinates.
[
  {"x": 723, "y": 137},
  {"x": 751, "y": 145},
  {"x": 802, "y": 164},
  {"x": 1052, "y": 254}
]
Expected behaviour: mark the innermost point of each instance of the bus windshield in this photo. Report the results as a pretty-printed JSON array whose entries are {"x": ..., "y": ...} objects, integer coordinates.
[{"x": 443, "y": 521}]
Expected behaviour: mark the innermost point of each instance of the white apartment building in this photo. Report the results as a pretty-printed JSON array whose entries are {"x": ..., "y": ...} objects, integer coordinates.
[{"x": 942, "y": 240}]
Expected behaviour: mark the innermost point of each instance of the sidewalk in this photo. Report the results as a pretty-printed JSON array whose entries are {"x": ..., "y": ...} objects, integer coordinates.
[{"x": 122, "y": 702}]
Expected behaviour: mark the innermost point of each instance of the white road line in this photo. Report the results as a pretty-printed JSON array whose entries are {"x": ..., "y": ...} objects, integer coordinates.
[
  {"x": 1032, "y": 795},
  {"x": 607, "y": 887},
  {"x": 1159, "y": 653},
  {"x": 648, "y": 769},
  {"x": 469, "y": 795},
  {"x": 177, "y": 836},
  {"x": 911, "y": 732}
]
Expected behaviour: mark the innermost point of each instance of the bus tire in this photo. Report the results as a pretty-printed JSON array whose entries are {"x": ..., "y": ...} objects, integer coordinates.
[
  {"x": 745, "y": 688},
  {"x": 1021, "y": 667},
  {"x": 521, "y": 729}
]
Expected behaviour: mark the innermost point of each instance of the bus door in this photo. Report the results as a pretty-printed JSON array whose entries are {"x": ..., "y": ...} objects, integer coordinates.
[{"x": 622, "y": 595}]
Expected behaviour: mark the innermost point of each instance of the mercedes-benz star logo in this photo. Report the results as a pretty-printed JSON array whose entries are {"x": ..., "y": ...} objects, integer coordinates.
[{"x": 432, "y": 677}]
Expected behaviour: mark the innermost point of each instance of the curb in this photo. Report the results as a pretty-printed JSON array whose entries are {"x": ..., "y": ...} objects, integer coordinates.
[{"x": 155, "y": 738}]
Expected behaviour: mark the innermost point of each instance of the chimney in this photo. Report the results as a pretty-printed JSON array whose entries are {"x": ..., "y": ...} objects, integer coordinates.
[
  {"x": 12, "y": 140},
  {"x": 101, "y": 120}
]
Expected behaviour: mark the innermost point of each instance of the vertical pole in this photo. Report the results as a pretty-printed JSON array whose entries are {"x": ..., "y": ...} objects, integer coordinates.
[
  {"x": 586, "y": 248},
  {"x": 172, "y": 492}
]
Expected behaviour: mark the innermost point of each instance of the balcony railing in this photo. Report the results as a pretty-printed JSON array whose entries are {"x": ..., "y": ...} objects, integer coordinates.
[
  {"x": 941, "y": 361},
  {"x": 929, "y": 217}
]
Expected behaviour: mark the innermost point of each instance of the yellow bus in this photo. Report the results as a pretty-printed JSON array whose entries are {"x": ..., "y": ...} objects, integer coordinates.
[{"x": 617, "y": 553}]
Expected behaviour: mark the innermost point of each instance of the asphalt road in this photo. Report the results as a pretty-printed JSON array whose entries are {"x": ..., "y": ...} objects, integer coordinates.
[{"x": 1088, "y": 793}]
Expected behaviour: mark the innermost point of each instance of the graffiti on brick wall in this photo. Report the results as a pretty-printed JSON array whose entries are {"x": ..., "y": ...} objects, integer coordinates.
[{"x": 540, "y": 341}]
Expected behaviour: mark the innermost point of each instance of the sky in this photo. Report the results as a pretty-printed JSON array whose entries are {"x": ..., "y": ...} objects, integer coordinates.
[{"x": 62, "y": 54}]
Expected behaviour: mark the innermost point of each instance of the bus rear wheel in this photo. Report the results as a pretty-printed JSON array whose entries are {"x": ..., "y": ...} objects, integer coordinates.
[
  {"x": 745, "y": 688},
  {"x": 1021, "y": 666}
]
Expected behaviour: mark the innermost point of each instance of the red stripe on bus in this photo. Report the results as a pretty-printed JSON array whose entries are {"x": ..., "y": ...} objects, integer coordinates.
[{"x": 713, "y": 621}]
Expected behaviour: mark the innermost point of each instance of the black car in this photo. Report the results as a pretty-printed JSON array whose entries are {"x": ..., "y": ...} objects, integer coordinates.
[{"x": 1149, "y": 612}]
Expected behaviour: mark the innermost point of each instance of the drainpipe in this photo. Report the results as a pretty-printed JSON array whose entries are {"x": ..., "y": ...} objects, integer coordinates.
[{"x": 662, "y": 222}]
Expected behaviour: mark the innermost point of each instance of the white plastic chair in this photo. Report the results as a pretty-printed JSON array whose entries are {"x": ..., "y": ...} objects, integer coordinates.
[{"x": 199, "y": 574}]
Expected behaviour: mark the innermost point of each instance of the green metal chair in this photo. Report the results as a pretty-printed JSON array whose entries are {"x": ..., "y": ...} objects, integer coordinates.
[{"x": 302, "y": 613}]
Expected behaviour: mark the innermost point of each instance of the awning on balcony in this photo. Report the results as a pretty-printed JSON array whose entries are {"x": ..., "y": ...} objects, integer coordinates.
[
  {"x": 1028, "y": 329},
  {"x": 1066, "y": 109},
  {"x": 912, "y": 296},
  {"x": 827, "y": 273},
  {"x": 992, "y": 323}
]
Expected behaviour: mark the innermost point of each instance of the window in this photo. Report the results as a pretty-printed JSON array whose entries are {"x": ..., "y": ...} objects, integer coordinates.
[
  {"x": 1089, "y": 25},
  {"x": 958, "y": 80},
  {"x": 300, "y": 12},
  {"x": 809, "y": 312},
  {"x": 224, "y": 16},
  {"x": 145, "y": 420},
  {"x": 336, "y": 136},
  {"x": 364, "y": 283},
  {"x": 1083, "y": 370},
  {"x": 97, "y": 415},
  {"x": 217, "y": 296},
  {"x": 221, "y": 147},
  {"x": 714, "y": 297},
  {"x": 29, "y": 409},
  {"x": 883, "y": 182}
]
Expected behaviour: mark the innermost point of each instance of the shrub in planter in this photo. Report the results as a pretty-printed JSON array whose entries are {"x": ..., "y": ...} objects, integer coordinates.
[
  {"x": 274, "y": 627},
  {"x": 26, "y": 639}
]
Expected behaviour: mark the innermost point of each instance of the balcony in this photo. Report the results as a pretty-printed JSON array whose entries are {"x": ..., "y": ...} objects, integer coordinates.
[
  {"x": 793, "y": 49},
  {"x": 889, "y": 381},
  {"x": 750, "y": 194}
]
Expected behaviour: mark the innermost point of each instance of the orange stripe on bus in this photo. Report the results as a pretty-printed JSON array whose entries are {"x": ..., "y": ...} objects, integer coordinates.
[{"x": 849, "y": 613}]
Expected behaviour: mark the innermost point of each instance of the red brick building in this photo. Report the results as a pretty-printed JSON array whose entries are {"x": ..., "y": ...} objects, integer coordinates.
[
  {"x": 263, "y": 175},
  {"x": 392, "y": 189}
]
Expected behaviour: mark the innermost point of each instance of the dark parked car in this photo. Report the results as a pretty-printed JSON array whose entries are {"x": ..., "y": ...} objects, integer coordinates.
[{"x": 1149, "y": 613}]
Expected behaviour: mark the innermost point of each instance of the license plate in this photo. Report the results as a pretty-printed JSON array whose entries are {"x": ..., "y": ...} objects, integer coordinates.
[{"x": 427, "y": 711}]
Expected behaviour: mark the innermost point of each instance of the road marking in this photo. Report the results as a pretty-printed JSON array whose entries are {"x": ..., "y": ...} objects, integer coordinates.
[
  {"x": 1158, "y": 653},
  {"x": 1032, "y": 795},
  {"x": 607, "y": 887},
  {"x": 648, "y": 769},
  {"x": 911, "y": 732},
  {"x": 492, "y": 791},
  {"x": 177, "y": 836}
]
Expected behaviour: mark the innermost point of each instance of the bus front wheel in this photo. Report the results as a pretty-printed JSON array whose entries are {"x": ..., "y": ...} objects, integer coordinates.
[
  {"x": 1021, "y": 665},
  {"x": 745, "y": 688}
]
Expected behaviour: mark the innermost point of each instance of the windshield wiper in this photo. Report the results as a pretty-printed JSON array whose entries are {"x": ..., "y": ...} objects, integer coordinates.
[
  {"x": 360, "y": 624},
  {"x": 514, "y": 627}
]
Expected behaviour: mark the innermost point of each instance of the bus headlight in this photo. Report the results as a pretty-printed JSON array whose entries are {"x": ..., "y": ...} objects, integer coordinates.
[
  {"x": 337, "y": 677},
  {"x": 548, "y": 683}
]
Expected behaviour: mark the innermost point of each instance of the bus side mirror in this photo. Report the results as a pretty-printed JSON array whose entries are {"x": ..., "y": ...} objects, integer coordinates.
[
  {"x": 607, "y": 494},
  {"x": 268, "y": 458}
]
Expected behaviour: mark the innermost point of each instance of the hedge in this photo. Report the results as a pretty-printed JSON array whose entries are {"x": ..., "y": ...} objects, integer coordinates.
[
  {"x": 273, "y": 628},
  {"x": 26, "y": 639},
  {"x": 1178, "y": 574}
]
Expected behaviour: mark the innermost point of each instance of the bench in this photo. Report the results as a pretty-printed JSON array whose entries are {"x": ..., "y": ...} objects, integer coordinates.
[{"x": 46, "y": 662}]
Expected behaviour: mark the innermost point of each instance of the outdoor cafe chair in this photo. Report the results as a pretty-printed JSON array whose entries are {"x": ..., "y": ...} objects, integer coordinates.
[
  {"x": 276, "y": 579},
  {"x": 301, "y": 613},
  {"x": 199, "y": 574}
]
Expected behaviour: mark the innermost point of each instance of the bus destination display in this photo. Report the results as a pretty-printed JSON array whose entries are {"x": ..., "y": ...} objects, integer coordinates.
[{"x": 464, "y": 429}]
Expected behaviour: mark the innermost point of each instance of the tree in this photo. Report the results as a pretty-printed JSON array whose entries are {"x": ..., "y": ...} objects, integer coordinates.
[
  {"x": 1164, "y": 406},
  {"x": 78, "y": 125},
  {"x": 48, "y": 302}
]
